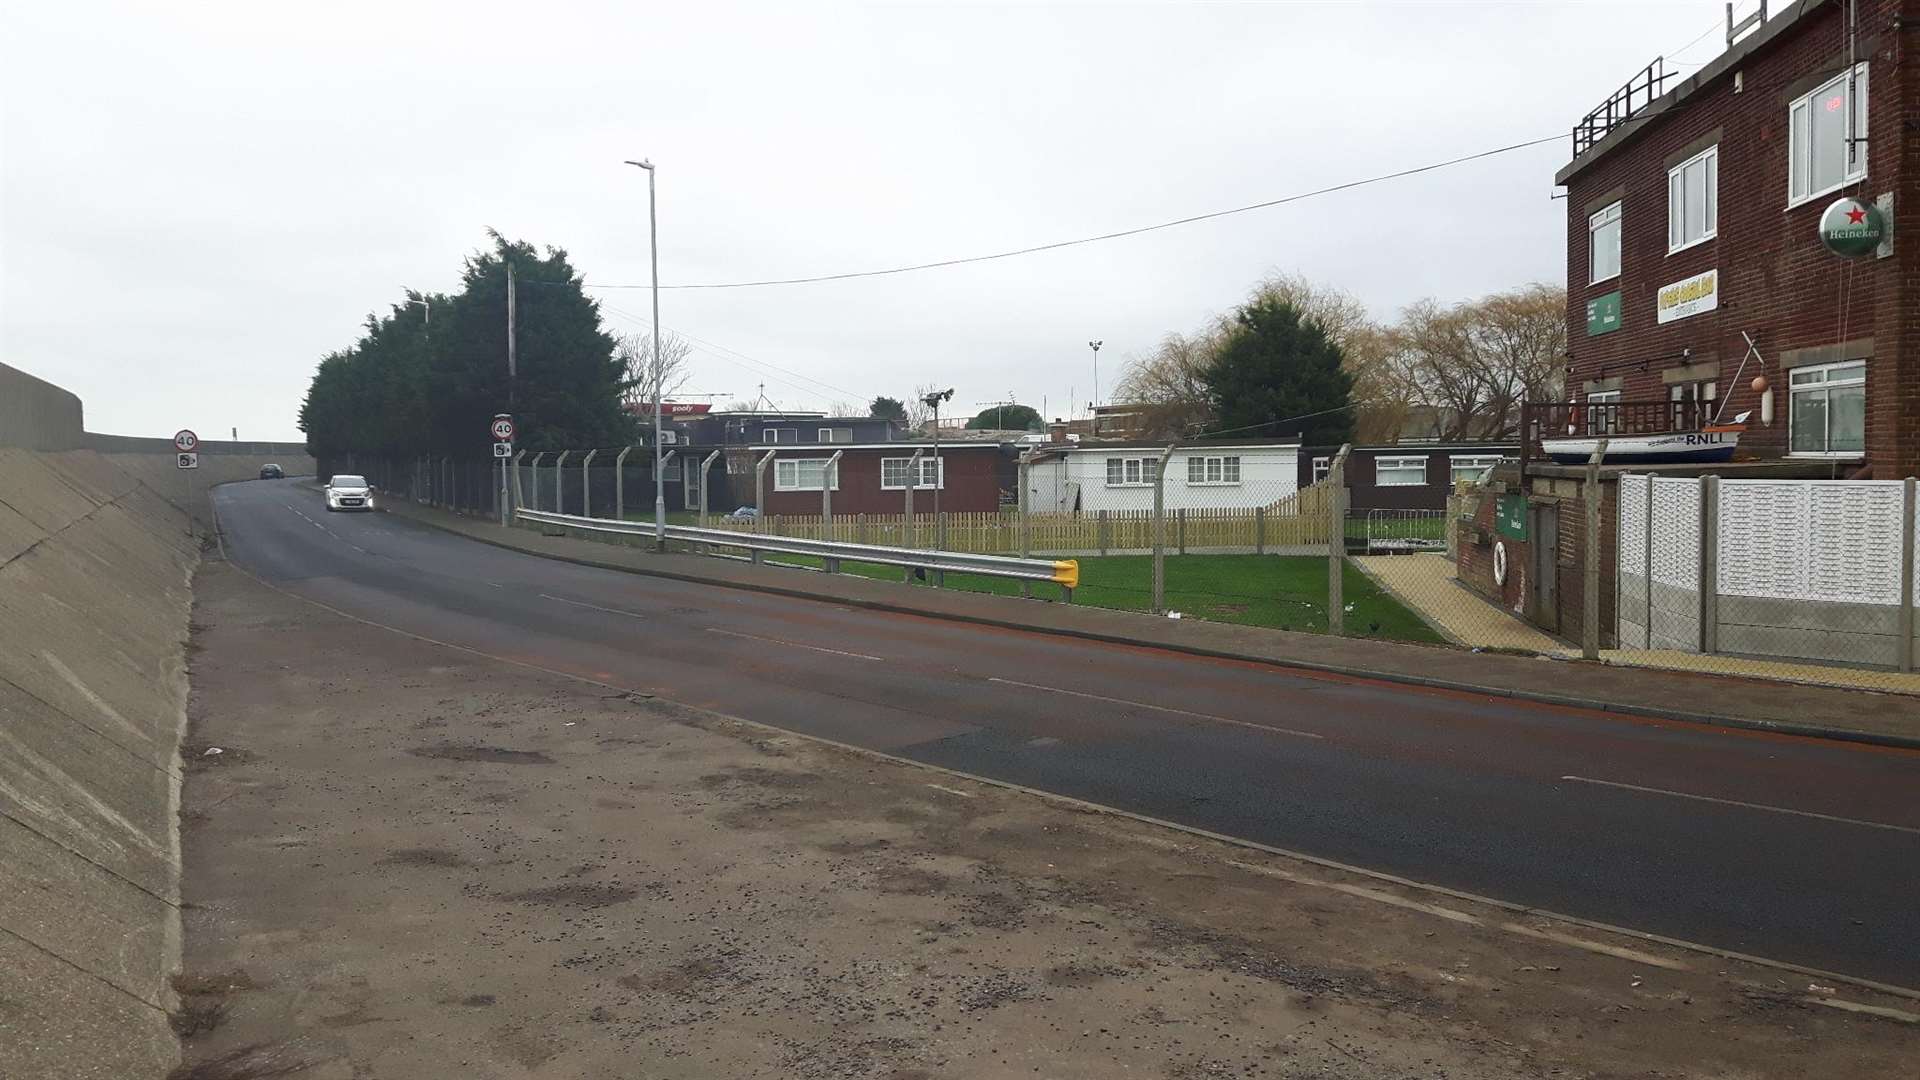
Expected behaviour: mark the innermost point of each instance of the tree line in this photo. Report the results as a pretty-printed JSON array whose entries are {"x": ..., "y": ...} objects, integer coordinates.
[
  {"x": 428, "y": 376},
  {"x": 1301, "y": 358}
]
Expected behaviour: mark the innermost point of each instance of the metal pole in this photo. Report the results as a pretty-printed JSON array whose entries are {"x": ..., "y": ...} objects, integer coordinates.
[
  {"x": 560, "y": 482},
  {"x": 706, "y": 465},
  {"x": 1337, "y": 543},
  {"x": 620, "y": 483},
  {"x": 659, "y": 479},
  {"x": 586, "y": 484},
  {"x": 518, "y": 500},
  {"x": 939, "y": 481},
  {"x": 1590, "y": 571},
  {"x": 188, "y": 473},
  {"x": 1160, "y": 532}
]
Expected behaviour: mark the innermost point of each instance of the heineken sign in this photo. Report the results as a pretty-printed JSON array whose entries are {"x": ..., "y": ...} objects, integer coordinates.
[{"x": 1852, "y": 228}]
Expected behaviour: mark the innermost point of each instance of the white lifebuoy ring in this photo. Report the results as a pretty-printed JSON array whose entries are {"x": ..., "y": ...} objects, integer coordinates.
[{"x": 1499, "y": 562}]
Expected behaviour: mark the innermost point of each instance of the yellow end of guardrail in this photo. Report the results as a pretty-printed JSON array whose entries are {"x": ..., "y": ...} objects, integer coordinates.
[{"x": 1067, "y": 572}]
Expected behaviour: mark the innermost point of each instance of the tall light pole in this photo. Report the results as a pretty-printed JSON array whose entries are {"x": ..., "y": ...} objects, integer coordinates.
[
  {"x": 1096, "y": 370},
  {"x": 659, "y": 480},
  {"x": 933, "y": 401}
]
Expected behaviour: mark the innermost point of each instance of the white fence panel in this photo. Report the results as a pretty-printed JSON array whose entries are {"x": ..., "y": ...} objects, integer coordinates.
[{"x": 1836, "y": 541}]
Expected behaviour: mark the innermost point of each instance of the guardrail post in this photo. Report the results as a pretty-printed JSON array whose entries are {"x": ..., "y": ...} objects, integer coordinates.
[
  {"x": 586, "y": 484},
  {"x": 1590, "y": 571},
  {"x": 1910, "y": 505},
  {"x": 1337, "y": 542}
]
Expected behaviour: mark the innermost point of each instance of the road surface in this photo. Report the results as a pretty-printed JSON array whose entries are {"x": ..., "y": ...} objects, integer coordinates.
[{"x": 1792, "y": 849}]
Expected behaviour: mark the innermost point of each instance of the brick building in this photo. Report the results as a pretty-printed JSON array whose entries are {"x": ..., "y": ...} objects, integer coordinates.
[
  {"x": 1693, "y": 222},
  {"x": 973, "y": 477}
]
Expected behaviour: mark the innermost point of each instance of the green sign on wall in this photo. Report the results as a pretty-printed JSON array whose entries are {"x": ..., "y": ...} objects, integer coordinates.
[
  {"x": 1603, "y": 314},
  {"x": 1510, "y": 517}
]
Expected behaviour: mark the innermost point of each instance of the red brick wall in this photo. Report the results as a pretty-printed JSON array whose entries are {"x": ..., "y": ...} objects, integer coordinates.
[
  {"x": 1776, "y": 280},
  {"x": 974, "y": 480}
]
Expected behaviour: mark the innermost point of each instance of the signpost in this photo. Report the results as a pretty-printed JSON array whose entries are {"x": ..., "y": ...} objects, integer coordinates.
[
  {"x": 502, "y": 429},
  {"x": 186, "y": 444}
]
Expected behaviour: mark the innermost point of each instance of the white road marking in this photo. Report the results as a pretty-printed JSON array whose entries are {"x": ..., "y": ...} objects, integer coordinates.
[
  {"x": 1376, "y": 895},
  {"x": 792, "y": 644},
  {"x": 584, "y": 604},
  {"x": 1746, "y": 805},
  {"x": 1157, "y": 708},
  {"x": 493, "y": 585},
  {"x": 951, "y": 791}
]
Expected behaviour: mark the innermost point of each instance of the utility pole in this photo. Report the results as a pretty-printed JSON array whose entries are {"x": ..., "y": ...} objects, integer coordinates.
[
  {"x": 513, "y": 367},
  {"x": 659, "y": 479}
]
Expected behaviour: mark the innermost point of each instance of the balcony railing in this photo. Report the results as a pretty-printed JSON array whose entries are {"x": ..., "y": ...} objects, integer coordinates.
[
  {"x": 1642, "y": 90},
  {"x": 1563, "y": 419}
]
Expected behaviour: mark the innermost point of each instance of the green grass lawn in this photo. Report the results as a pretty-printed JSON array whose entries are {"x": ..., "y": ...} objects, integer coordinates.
[{"x": 1286, "y": 592}]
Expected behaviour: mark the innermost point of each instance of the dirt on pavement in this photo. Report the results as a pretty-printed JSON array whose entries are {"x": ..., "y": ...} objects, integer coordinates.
[{"x": 411, "y": 861}]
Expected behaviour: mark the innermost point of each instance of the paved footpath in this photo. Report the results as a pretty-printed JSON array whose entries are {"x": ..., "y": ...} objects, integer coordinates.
[{"x": 1891, "y": 719}]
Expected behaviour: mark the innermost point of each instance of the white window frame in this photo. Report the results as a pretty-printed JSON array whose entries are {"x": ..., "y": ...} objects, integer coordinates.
[
  {"x": 1322, "y": 468},
  {"x": 832, "y": 435},
  {"x": 1607, "y": 215},
  {"x": 1216, "y": 470},
  {"x": 771, "y": 435},
  {"x": 933, "y": 474},
  {"x": 786, "y": 474},
  {"x": 1382, "y": 465},
  {"x": 1826, "y": 386},
  {"x": 1477, "y": 464},
  {"x": 1601, "y": 397},
  {"x": 1705, "y": 165},
  {"x": 1800, "y": 149},
  {"x": 1141, "y": 471}
]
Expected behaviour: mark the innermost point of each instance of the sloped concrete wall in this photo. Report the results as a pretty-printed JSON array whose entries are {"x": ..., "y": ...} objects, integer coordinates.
[
  {"x": 36, "y": 414},
  {"x": 95, "y": 595}
]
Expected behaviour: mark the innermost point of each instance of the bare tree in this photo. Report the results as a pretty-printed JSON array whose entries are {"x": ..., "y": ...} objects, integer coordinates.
[
  {"x": 841, "y": 408},
  {"x": 918, "y": 412},
  {"x": 1477, "y": 362},
  {"x": 642, "y": 375},
  {"x": 1167, "y": 383}
]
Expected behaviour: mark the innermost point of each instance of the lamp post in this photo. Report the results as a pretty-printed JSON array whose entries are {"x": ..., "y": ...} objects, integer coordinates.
[
  {"x": 659, "y": 479},
  {"x": 1095, "y": 345},
  {"x": 933, "y": 401}
]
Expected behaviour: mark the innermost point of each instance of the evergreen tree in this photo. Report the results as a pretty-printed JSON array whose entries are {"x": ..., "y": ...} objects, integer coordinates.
[{"x": 1277, "y": 373}]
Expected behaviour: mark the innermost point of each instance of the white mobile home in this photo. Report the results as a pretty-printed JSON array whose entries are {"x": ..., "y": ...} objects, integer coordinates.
[{"x": 1204, "y": 476}]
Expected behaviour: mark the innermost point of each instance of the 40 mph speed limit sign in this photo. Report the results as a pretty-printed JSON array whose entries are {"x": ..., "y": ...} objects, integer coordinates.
[
  {"x": 502, "y": 428},
  {"x": 185, "y": 440}
]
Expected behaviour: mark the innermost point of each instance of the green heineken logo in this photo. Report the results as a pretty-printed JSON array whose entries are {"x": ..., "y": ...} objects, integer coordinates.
[{"x": 1852, "y": 228}]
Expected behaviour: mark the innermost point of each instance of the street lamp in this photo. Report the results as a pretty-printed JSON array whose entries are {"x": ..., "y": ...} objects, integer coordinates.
[
  {"x": 427, "y": 316},
  {"x": 932, "y": 401},
  {"x": 1095, "y": 345},
  {"x": 659, "y": 481}
]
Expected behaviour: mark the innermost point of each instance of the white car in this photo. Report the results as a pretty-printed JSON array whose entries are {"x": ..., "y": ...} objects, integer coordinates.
[{"x": 348, "y": 492}]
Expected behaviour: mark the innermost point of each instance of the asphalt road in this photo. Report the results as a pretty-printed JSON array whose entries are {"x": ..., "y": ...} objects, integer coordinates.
[{"x": 1793, "y": 849}]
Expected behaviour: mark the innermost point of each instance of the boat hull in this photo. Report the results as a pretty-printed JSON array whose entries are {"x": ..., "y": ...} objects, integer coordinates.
[{"x": 1673, "y": 448}]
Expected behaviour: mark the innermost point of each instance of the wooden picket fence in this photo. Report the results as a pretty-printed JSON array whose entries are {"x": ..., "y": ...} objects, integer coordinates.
[{"x": 1294, "y": 522}]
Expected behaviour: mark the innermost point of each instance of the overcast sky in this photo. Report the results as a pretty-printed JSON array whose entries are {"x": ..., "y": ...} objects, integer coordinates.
[{"x": 200, "y": 199}]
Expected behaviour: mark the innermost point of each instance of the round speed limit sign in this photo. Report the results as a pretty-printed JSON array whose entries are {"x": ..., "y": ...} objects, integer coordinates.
[
  {"x": 185, "y": 440},
  {"x": 503, "y": 429}
]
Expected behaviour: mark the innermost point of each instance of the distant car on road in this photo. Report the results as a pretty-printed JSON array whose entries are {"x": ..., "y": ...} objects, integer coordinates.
[
  {"x": 272, "y": 472},
  {"x": 348, "y": 492}
]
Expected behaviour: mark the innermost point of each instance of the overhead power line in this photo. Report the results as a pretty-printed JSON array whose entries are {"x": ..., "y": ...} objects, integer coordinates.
[{"x": 1056, "y": 245}]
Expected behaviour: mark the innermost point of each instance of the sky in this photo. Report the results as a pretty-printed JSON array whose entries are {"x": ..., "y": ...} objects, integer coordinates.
[{"x": 198, "y": 201}]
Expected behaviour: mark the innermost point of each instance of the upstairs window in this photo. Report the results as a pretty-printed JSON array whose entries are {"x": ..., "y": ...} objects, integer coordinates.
[
  {"x": 1603, "y": 245},
  {"x": 1818, "y": 157},
  {"x": 1693, "y": 210},
  {"x": 1321, "y": 467},
  {"x": 779, "y": 435},
  {"x": 835, "y": 435},
  {"x": 1600, "y": 421}
]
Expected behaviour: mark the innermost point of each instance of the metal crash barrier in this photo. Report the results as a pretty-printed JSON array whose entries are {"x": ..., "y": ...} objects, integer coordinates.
[{"x": 918, "y": 562}]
